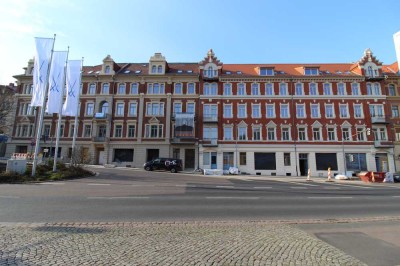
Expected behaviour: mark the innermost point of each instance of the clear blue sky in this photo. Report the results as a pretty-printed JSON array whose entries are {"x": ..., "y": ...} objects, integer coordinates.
[{"x": 284, "y": 31}]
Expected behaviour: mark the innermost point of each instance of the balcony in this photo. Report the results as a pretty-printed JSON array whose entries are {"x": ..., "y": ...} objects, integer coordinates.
[
  {"x": 380, "y": 119},
  {"x": 101, "y": 117},
  {"x": 179, "y": 114},
  {"x": 375, "y": 78},
  {"x": 100, "y": 139},
  {"x": 210, "y": 74},
  {"x": 183, "y": 140},
  {"x": 383, "y": 144},
  {"x": 210, "y": 142},
  {"x": 210, "y": 118}
]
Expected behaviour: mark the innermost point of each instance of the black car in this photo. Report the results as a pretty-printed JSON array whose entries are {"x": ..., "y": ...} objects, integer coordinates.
[{"x": 168, "y": 164}]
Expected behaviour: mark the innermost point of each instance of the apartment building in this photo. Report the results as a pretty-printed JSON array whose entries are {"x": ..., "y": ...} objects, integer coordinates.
[{"x": 267, "y": 119}]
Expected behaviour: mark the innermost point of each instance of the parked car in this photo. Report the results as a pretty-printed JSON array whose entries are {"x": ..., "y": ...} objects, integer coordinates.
[{"x": 167, "y": 164}]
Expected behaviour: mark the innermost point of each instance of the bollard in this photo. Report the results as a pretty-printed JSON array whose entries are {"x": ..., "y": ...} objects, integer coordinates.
[{"x": 309, "y": 175}]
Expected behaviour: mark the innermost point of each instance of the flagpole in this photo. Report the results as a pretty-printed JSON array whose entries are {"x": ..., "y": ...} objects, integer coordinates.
[
  {"x": 76, "y": 118},
  {"x": 43, "y": 107},
  {"x": 60, "y": 115}
]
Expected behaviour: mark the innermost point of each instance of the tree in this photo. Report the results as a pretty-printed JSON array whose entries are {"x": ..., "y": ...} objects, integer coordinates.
[{"x": 7, "y": 104}]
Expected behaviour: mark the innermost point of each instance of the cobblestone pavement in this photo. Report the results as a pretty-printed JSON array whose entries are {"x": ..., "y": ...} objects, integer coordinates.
[{"x": 190, "y": 243}]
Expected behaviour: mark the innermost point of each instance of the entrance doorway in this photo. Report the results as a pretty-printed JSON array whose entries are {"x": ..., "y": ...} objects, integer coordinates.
[
  {"x": 152, "y": 154},
  {"x": 189, "y": 158},
  {"x": 227, "y": 160},
  {"x": 381, "y": 162},
  {"x": 102, "y": 157},
  {"x": 213, "y": 160},
  {"x": 303, "y": 163}
]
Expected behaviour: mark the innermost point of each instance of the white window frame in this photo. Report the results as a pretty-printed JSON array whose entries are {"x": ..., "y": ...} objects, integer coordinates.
[
  {"x": 242, "y": 107},
  {"x": 268, "y": 107},
  {"x": 254, "y": 130},
  {"x": 160, "y": 108},
  {"x": 255, "y": 89},
  {"x": 189, "y": 88},
  {"x": 318, "y": 114},
  {"x": 301, "y": 110},
  {"x": 118, "y": 110},
  {"x": 346, "y": 108},
  {"x": 227, "y": 89},
  {"x": 228, "y": 132},
  {"x": 178, "y": 88},
  {"x": 151, "y": 88},
  {"x": 91, "y": 89},
  {"x": 87, "y": 109},
  {"x": 328, "y": 132},
  {"x": 103, "y": 88},
  {"x": 134, "y": 88},
  {"x": 283, "y": 87},
  {"x": 130, "y": 109},
  {"x": 317, "y": 130},
  {"x": 299, "y": 88},
  {"x": 333, "y": 110},
  {"x": 128, "y": 130},
  {"x": 355, "y": 107},
  {"x": 283, "y": 133},
  {"x": 355, "y": 89},
  {"x": 271, "y": 131},
  {"x": 327, "y": 89},
  {"x": 341, "y": 88},
  {"x": 121, "y": 91},
  {"x": 302, "y": 130},
  {"x": 241, "y": 89},
  {"x": 269, "y": 89},
  {"x": 255, "y": 108},
  {"x": 227, "y": 114},
  {"x": 284, "y": 106},
  {"x": 159, "y": 130}
]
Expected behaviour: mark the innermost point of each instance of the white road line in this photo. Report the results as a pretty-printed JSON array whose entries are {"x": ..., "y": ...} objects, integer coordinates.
[
  {"x": 97, "y": 184},
  {"x": 10, "y": 197},
  {"x": 262, "y": 187},
  {"x": 347, "y": 185},
  {"x": 51, "y": 183},
  {"x": 329, "y": 197},
  {"x": 143, "y": 185},
  {"x": 186, "y": 186},
  {"x": 224, "y": 186},
  {"x": 303, "y": 184},
  {"x": 245, "y": 198},
  {"x": 111, "y": 198},
  {"x": 331, "y": 187},
  {"x": 298, "y": 187}
]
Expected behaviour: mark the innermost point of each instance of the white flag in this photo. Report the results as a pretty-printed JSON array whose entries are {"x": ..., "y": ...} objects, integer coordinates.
[
  {"x": 396, "y": 38},
  {"x": 44, "y": 48},
  {"x": 70, "y": 107},
  {"x": 56, "y": 82}
]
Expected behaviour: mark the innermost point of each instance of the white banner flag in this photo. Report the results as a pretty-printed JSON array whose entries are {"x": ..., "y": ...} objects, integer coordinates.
[
  {"x": 44, "y": 47},
  {"x": 70, "y": 107},
  {"x": 56, "y": 82},
  {"x": 396, "y": 38}
]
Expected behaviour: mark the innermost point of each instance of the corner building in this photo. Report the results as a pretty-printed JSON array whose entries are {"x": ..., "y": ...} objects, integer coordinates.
[{"x": 267, "y": 119}]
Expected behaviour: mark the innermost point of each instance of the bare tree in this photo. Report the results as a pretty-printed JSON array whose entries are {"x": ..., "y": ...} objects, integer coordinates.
[
  {"x": 80, "y": 156},
  {"x": 7, "y": 104}
]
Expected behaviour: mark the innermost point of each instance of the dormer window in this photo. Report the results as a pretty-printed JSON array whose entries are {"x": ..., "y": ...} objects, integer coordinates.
[
  {"x": 210, "y": 72},
  {"x": 107, "y": 70},
  {"x": 159, "y": 69},
  {"x": 370, "y": 72},
  {"x": 154, "y": 69},
  {"x": 311, "y": 71},
  {"x": 264, "y": 71}
]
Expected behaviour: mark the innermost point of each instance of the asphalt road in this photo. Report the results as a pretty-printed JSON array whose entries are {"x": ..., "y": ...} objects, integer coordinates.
[{"x": 136, "y": 195}]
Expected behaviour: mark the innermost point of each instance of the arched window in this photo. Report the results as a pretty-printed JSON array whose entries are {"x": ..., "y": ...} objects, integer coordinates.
[
  {"x": 107, "y": 70},
  {"x": 370, "y": 72},
  {"x": 159, "y": 69},
  {"x": 210, "y": 73},
  {"x": 104, "y": 107},
  {"x": 154, "y": 69}
]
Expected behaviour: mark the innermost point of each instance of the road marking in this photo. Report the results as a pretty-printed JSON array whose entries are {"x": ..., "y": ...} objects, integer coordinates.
[
  {"x": 303, "y": 184},
  {"x": 143, "y": 185},
  {"x": 111, "y": 198},
  {"x": 10, "y": 197},
  {"x": 224, "y": 186},
  {"x": 186, "y": 186},
  {"x": 329, "y": 197},
  {"x": 347, "y": 185},
  {"x": 249, "y": 198},
  {"x": 262, "y": 187},
  {"x": 331, "y": 187},
  {"x": 298, "y": 187},
  {"x": 51, "y": 183},
  {"x": 97, "y": 184}
]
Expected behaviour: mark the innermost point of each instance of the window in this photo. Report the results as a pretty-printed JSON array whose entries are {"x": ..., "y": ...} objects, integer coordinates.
[
  {"x": 329, "y": 111},
  {"x": 210, "y": 111},
  {"x": 392, "y": 90},
  {"x": 266, "y": 71},
  {"x": 346, "y": 134},
  {"x": 154, "y": 131},
  {"x": 154, "y": 69},
  {"x": 177, "y": 108},
  {"x": 269, "y": 89},
  {"x": 228, "y": 133},
  {"x": 286, "y": 159},
  {"x": 377, "y": 89},
  {"x": 313, "y": 89},
  {"x": 178, "y": 88},
  {"x": 264, "y": 161},
  {"x": 190, "y": 88},
  {"x": 156, "y": 109},
  {"x": 270, "y": 133},
  {"x": 270, "y": 110},
  {"x": 325, "y": 160},
  {"x": 210, "y": 89},
  {"x": 369, "y": 89},
  {"x": 341, "y": 89},
  {"x": 300, "y": 111},
  {"x": 255, "y": 89},
  {"x": 327, "y": 89},
  {"x": 71, "y": 131},
  {"x": 360, "y": 134},
  {"x": 241, "y": 89},
  {"x": 210, "y": 72},
  {"x": 135, "y": 88},
  {"x": 376, "y": 110},
  {"x": 132, "y": 109},
  {"x": 316, "y": 133},
  {"x": 370, "y": 72},
  {"x": 155, "y": 88},
  {"x": 118, "y": 131},
  {"x": 315, "y": 111},
  {"x": 242, "y": 131},
  {"x": 131, "y": 131},
  {"x": 242, "y": 158},
  {"x": 255, "y": 112},
  {"x": 355, "y": 89},
  {"x": 343, "y": 111},
  {"x": 123, "y": 155},
  {"x": 107, "y": 70},
  {"x": 105, "y": 89},
  {"x": 190, "y": 108},
  {"x": 242, "y": 111},
  {"x": 121, "y": 89},
  {"x": 302, "y": 133},
  {"x": 310, "y": 71},
  {"x": 257, "y": 133},
  {"x": 159, "y": 70},
  {"x": 283, "y": 89},
  {"x": 89, "y": 109},
  {"x": 358, "y": 111},
  {"x": 87, "y": 131},
  {"x": 104, "y": 108},
  {"x": 227, "y": 89},
  {"x": 285, "y": 133},
  {"x": 395, "y": 111},
  {"x": 210, "y": 133},
  {"x": 299, "y": 89},
  {"x": 92, "y": 88},
  {"x": 331, "y": 133},
  {"x": 119, "y": 109},
  {"x": 284, "y": 110},
  {"x": 228, "y": 110}
]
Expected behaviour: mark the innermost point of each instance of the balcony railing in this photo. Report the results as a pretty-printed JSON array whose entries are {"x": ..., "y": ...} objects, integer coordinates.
[
  {"x": 375, "y": 78},
  {"x": 99, "y": 139},
  {"x": 379, "y": 119},
  {"x": 101, "y": 116},
  {"x": 210, "y": 118},
  {"x": 183, "y": 141},
  {"x": 210, "y": 142},
  {"x": 383, "y": 144}
]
